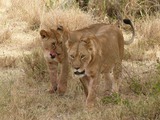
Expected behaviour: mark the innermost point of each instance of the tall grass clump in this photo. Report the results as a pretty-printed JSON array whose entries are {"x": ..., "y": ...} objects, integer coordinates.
[
  {"x": 125, "y": 8},
  {"x": 27, "y": 10},
  {"x": 71, "y": 18},
  {"x": 34, "y": 65},
  {"x": 145, "y": 108},
  {"x": 140, "y": 8},
  {"x": 5, "y": 95},
  {"x": 149, "y": 32},
  {"x": 35, "y": 11}
]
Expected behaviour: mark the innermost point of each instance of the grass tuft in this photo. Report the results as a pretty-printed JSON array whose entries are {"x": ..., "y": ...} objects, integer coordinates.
[
  {"x": 34, "y": 65},
  {"x": 112, "y": 99},
  {"x": 136, "y": 86}
]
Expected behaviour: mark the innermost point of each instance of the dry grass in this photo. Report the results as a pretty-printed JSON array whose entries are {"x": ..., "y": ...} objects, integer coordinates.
[
  {"x": 24, "y": 78},
  {"x": 146, "y": 46},
  {"x": 149, "y": 31},
  {"x": 34, "y": 65},
  {"x": 24, "y": 97},
  {"x": 29, "y": 11},
  {"x": 67, "y": 18},
  {"x": 125, "y": 8},
  {"x": 4, "y": 35}
]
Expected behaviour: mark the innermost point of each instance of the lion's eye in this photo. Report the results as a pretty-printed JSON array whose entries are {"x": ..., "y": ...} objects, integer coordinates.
[
  {"x": 71, "y": 56},
  {"x": 60, "y": 43},
  {"x": 82, "y": 56},
  {"x": 53, "y": 44}
]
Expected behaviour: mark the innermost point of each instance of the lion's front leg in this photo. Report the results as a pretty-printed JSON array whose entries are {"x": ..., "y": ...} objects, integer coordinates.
[
  {"x": 92, "y": 91},
  {"x": 85, "y": 81},
  {"x": 53, "y": 72},
  {"x": 64, "y": 73}
]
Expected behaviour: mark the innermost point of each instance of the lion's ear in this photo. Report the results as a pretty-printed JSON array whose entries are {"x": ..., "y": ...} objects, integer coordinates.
[
  {"x": 68, "y": 44},
  {"x": 60, "y": 29},
  {"x": 43, "y": 34},
  {"x": 87, "y": 39},
  {"x": 63, "y": 32},
  {"x": 88, "y": 42}
]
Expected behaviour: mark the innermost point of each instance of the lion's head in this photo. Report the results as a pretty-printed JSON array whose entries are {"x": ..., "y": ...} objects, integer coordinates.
[
  {"x": 81, "y": 53},
  {"x": 52, "y": 41}
]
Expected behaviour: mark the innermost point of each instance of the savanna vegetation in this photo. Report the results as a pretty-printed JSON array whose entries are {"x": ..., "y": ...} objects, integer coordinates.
[{"x": 24, "y": 78}]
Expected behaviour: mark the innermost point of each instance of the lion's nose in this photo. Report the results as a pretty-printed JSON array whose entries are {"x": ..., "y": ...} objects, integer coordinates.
[
  {"x": 77, "y": 68},
  {"x": 52, "y": 56}
]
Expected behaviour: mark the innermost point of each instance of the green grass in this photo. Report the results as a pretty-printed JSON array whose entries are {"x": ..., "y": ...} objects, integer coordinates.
[{"x": 113, "y": 99}]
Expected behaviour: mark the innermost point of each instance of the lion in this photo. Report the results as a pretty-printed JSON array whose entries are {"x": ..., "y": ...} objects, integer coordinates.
[
  {"x": 93, "y": 53},
  {"x": 55, "y": 52}
]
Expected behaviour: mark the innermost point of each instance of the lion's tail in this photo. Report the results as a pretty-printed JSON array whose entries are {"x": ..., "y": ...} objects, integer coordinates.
[{"x": 127, "y": 21}]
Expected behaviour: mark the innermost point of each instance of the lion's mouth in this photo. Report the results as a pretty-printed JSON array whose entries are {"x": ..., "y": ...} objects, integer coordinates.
[{"x": 79, "y": 73}]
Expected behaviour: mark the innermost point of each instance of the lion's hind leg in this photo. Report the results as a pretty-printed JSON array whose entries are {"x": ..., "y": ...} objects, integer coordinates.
[
  {"x": 117, "y": 73},
  {"x": 108, "y": 83},
  {"x": 108, "y": 78}
]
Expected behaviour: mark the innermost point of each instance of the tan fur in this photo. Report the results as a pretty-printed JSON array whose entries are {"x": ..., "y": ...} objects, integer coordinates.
[
  {"x": 53, "y": 42},
  {"x": 92, "y": 53},
  {"x": 55, "y": 53}
]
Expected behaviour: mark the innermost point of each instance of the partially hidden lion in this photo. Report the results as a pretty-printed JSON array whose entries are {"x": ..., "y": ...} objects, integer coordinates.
[
  {"x": 55, "y": 52},
  {"x": 96, "y": 51}
]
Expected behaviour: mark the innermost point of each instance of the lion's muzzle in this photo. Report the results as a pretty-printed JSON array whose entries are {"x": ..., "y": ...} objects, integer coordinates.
[
  {"x": 52, "y": 55},
  {"x": 79, "y": 73}
]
